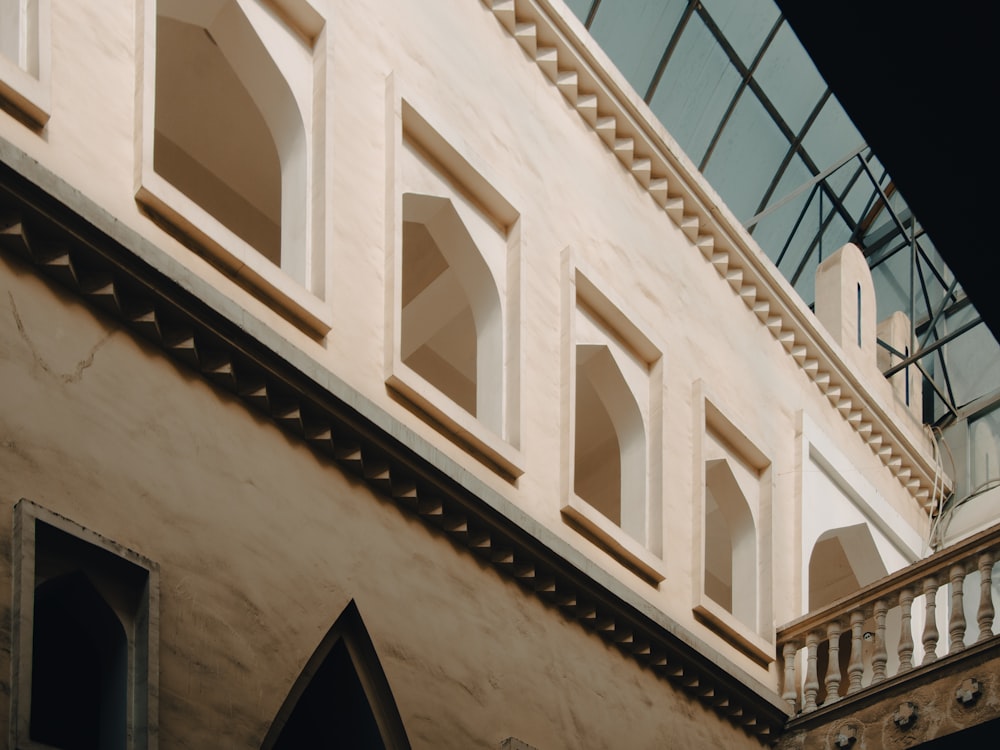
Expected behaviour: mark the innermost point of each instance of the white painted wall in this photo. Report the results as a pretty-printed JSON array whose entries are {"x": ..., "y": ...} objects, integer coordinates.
[{"x": 472, "y": 80}]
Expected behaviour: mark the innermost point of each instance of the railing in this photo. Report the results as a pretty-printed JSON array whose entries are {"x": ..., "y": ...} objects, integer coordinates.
[{"x": 846, "y": 645}]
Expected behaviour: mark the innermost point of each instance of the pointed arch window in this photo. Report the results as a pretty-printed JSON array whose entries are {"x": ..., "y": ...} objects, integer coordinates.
[
  {"x": 341, "y": 698},
  {"x": 610, "y": 438},
  {"x": 79, "y": 667}
]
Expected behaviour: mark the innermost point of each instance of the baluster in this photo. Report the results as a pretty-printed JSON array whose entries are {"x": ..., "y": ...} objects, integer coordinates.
[
  {"x": 984, "y": 615},
  {"x": 879, "y": 655},
  {"x": 856, "y": 667},
  {"x": 906, "y": 631},
  {"x": 788, "y": 654},
  {"x": 833, "y": 668},
  {"x": 930, "y": 638},
  {"x": 956, "y": 621},
  {"x": 812, "y": 680}
]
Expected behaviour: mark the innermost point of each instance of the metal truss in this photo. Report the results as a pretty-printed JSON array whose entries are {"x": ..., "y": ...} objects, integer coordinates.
[{"x": 883, "y": 228}]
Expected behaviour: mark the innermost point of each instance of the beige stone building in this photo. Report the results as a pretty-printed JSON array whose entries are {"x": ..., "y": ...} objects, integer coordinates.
[{"x": 385, "y": 374}]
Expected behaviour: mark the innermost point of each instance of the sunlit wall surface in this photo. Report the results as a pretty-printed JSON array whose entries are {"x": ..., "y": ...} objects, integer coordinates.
[{"x": 733, "y": 85}]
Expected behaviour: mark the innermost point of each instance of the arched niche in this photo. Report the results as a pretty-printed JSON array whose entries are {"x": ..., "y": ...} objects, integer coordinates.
[
  {"x": 451, "y": 317},
  {"x": 842, "y": 561},
  {"x": 609, "y": 471},
  {"x": 730, "y": 544},
  {"x": 228, "y": 130}
]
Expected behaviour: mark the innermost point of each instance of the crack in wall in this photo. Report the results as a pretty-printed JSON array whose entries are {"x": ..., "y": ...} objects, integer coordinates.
[{"x": 76, "y": 374}]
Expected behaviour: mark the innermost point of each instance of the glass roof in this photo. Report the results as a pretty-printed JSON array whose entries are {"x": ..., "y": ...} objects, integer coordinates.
[{"x": 733, "y": 85}]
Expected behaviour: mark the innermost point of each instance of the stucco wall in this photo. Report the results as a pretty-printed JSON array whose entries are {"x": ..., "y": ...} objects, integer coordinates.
[
  {"x": 261, "y": 544},
  {"x": 168, "y": 467}
]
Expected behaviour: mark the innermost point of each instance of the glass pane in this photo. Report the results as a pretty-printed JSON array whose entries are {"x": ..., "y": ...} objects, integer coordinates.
[
  {"x": 696, "y": 88},
  {"x": 854, "y": 186},
  {"x": 878, "y": 172},
  {"x": 831, "y": 136},
  {"x": 773, "y": 231},
  {"x": 745, "y": 23},
  {"x": 892, "y": 285},
  {"x": 832, "y": 239},
  {"x": 635, "y": 33},
  {"x": 580, "y": 8},
  {"x": 789, "y": 79},
  {"x": 746, "y": 158},
  {"x": 934, "y": 258},
  {"x": 836, "y": 234},
  {"x": 972, "y": 358},
  {"x": 984, "y": 434},
  {"x": 795, "y": 175}
]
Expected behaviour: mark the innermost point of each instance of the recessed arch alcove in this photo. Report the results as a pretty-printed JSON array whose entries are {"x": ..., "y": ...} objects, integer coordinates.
[
  {"x": 842, "y": 561},
  {"x": 452, "y": 319},
  {"x": 452, "y": 352},
  {"x": 609, "y": 470},
  {"x": 228, "y": 131},
  {"x": 733, "y": 562},
  {"x": 612, "y": 411},
  {"x": 730, "y": 544}
]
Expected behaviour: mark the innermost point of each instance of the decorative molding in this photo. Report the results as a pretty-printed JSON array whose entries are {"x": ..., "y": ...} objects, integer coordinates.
[
  {"x": 627, "y": 127},
  {"x": 67, "y": 249}
]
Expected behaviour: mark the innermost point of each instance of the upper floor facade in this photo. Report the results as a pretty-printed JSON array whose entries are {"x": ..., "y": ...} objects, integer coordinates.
[{"x": 459, "y": 220}]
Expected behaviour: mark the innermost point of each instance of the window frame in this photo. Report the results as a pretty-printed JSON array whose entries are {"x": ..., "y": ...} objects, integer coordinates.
[
  {"x": 142, "y": 632},
  {"x": 302, "y": 301},
  {"x": 754, "y": 639},
  {"x": 580, "y": 285},
  {"x": 458, "y": 167}
]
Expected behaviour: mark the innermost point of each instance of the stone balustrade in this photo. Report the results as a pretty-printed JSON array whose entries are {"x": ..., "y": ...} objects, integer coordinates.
[{"x": 892, "y": 626}]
